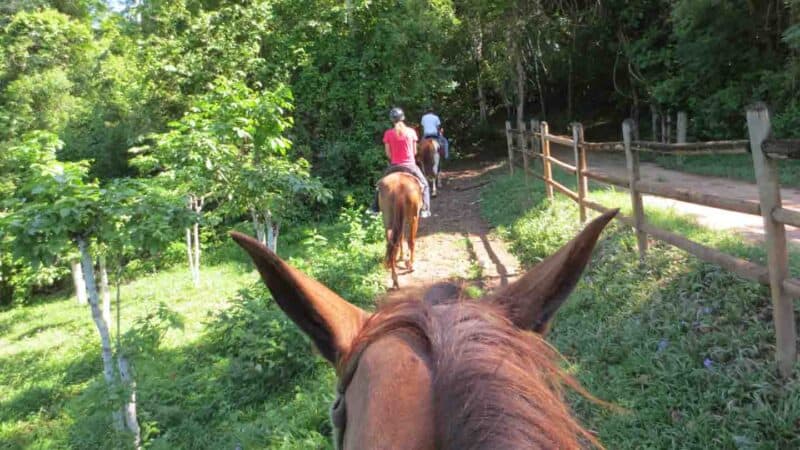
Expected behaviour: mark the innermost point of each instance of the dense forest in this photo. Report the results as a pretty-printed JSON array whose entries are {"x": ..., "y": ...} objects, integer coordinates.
[{"x": 262, "y": 110}]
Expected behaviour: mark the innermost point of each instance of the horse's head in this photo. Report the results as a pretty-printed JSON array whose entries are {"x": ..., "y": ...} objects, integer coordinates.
[{"x": 454, "y": 375}]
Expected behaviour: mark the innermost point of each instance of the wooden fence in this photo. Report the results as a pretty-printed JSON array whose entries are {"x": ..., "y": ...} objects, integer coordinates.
[{"x": 534, "y": 143}]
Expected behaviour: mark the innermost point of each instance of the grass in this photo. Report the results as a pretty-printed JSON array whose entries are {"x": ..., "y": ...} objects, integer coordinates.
[
  {"x": 215, "y": 367},
  {"x": 686, "y": 347},
  {"x": 737, "y": 167}
]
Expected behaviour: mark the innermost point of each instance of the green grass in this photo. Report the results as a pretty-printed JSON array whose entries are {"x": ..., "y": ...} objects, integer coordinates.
[
  {"x": 686, "y": 347},
  {"x": 215, "y": 366},
  {"x": 737, "y": 167}
]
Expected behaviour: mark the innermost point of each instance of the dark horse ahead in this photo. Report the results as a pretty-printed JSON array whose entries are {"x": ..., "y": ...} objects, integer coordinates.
[{"x": 464, "y": 375}]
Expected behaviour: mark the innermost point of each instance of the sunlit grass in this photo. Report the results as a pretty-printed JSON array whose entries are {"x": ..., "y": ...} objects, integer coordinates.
[
  {"x": 737, "y": 167},
  {"x": 216, "y": 366},
  {"x": 686, "y": 347}
]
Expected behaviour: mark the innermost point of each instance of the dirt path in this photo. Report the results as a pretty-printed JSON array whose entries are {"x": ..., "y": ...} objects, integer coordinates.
[
  {"x": 749, "y": 226},
  {"x": 454, "y": 246}
]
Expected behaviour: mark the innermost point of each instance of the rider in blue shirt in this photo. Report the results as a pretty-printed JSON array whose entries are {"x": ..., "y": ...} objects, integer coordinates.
[{"x": 432, "y": 128}]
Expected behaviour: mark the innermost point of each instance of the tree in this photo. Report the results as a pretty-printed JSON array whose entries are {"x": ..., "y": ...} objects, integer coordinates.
[{"x": 57, "y": 206}]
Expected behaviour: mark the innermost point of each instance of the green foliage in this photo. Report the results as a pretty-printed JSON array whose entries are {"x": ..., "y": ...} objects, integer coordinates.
[
  {"x": 43, "y": 54},
  {"x": 215, "y": 367}
]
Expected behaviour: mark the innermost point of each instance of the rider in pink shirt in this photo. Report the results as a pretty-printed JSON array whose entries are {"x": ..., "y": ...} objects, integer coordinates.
[{"x": 400, "y": 145}]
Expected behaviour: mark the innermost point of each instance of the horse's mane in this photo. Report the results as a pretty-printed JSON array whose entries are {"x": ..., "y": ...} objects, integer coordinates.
[{"x": 495, "y": 386}]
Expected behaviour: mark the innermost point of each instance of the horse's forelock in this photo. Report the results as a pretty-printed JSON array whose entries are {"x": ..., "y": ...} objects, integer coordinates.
[{"x": 495, "y": 386}]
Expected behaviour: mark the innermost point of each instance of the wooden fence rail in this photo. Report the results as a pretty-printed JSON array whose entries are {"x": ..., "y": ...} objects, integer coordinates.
[{"x": 765, "y": 150}]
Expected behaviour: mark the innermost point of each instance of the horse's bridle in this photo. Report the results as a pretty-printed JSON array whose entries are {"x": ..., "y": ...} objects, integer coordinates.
[{"x": 339, "y": 407}]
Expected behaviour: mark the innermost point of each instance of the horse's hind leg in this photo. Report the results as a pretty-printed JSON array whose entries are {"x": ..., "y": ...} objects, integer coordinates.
[
  {"x": 413, "y": 224},
  {"x": 395, "y": 284}
]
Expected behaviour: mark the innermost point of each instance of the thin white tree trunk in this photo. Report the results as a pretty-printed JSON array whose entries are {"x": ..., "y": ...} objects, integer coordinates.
[
  {"x": 129, "y": 410},
  {"x": 99, "y": 321},
  {"x": 276, "y": 231},
  {"x": 197, "y": 254},
  {"x": 189, "y": 251},
  {"x": 259, "y": 228},
  {"x": 273, "y": 229},
  {"x": 199, "y": 208},
  {"x": 77, "y": 280},
  {"x": 105, "y": 292}
]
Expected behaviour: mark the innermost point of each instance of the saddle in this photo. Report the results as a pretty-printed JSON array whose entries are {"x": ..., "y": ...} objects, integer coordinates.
[{"x": 403, "y": 169}]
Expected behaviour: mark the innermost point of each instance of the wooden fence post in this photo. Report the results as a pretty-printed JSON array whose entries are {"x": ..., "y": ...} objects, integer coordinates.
[
  {"x": 758, "y": 126},
  {"x": 535, "y": 141},
  {"x": 547, "y": 172},
  {"x": 683, "y": 124},
  {"x": 523, "y": 143},
  {"x": 580, "y": 167},
  {"x": 632, "y": 158},
  {"x": 510, "y": 142}
]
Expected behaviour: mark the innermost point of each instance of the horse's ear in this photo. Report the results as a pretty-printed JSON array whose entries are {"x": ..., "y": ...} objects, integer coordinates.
[
  {"x": 330, "y": 321},
  {"x": 531, "y": 301}
]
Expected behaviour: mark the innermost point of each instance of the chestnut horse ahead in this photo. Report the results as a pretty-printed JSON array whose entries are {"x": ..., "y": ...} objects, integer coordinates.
[
  {"x": 429, "y": 157},
  {"x": 451, "y": 375},
  {"x": 400, "y": 199}
]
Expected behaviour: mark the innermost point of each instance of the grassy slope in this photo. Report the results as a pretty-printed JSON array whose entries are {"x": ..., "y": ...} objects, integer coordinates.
[
  {"x": 686, "y": 347},
  {"x": 215, "y": 366},
  {"x": 737, "y": 167}
]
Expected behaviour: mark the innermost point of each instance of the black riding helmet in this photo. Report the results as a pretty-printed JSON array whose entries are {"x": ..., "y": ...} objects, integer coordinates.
[{"x": 396, "y": 115}]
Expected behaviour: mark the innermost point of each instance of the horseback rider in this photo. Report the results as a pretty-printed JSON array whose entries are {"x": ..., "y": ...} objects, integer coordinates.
[
  {"x": 432, "y": 128},
  {"x": 400, "y": 145}
]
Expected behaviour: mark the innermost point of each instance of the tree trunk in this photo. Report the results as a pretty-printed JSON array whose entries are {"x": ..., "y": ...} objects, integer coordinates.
[
  {"x": 478, "y": 44},
  {"x": 273, "y": 229},
  {"x": 197, "y": 254},
  {"x": 105, "y": 292},
  {"x": 189, "y": 250},
  {"x": 668, "y": 134},
  {"x": 536, "y": 63},
  {"x": 570, "y": 74},
  {"x": 77, "y": 280},
  {"x": 258, "y": 226},
  {"x": 129, "y": 410},
  {"x": 682, "y": 125},
  {"x": 654, "y": 121},
  {"x": 193, "y": 240},
  {"x": 99, "y": 320},
  {"x": 520, "y": 72}
]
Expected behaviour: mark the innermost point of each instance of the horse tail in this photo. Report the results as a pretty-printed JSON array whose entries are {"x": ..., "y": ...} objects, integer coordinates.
[
  {"x": 395, "y": 241},
  {"x": 428, "y": 162}
]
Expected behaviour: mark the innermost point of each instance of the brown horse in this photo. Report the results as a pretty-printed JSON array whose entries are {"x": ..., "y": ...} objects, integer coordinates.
[
  {"x": 454, "y": 375},
  {"x": 400, "y": 199},
  {"x": 429, "y": 157}
]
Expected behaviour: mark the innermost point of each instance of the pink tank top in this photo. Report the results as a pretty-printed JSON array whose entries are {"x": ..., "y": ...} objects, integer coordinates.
[{"x": 401, "y": 147}]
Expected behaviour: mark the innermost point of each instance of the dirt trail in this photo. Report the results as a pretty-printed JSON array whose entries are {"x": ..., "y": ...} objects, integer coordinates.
[
  {"x": 454, "y": 244},
  {"x": 749, "y": 226}
]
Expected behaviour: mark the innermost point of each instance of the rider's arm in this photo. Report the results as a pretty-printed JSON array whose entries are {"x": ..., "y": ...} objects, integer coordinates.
[{"x": 388, "y": 151}]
